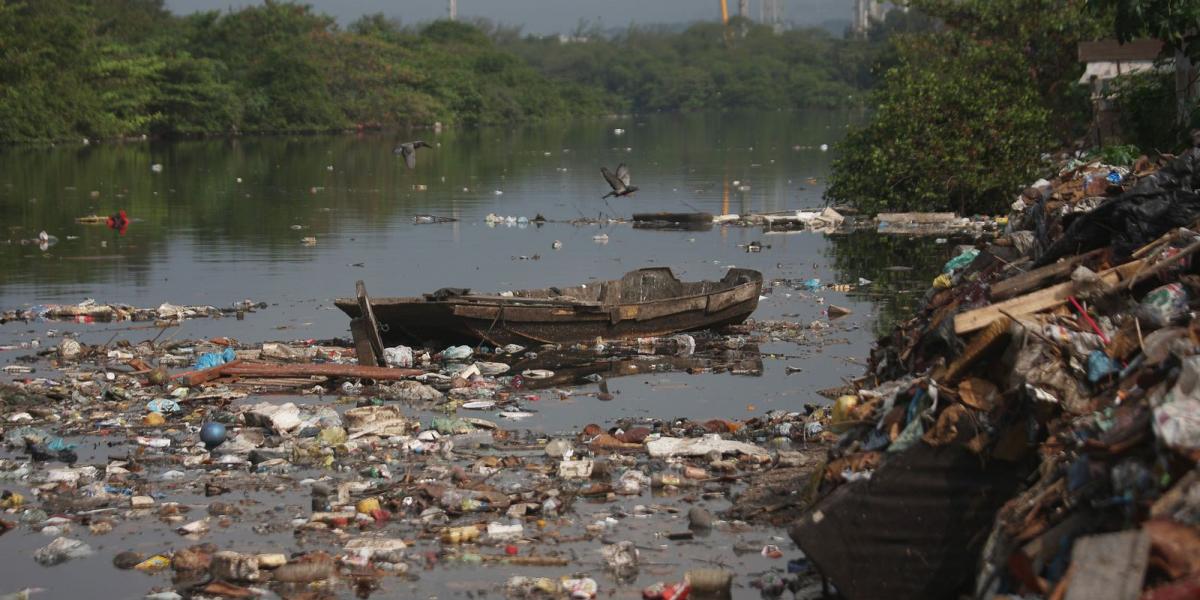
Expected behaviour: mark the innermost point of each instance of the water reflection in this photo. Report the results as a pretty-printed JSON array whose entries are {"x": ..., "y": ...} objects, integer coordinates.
[
  {"x": 899, "y": 267},
  {"x": 702, "y": 354},
  {"x": 222, "y": 220}
]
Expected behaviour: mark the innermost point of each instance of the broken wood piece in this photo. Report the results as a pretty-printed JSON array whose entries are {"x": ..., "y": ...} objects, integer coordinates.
[
  {"x": 1160, "y": 266},
  {"x": 837, "y": 312},
  {"x": 266, "y": 370},
  {"x": 139, "y": 366},
  {"x": 372, "y": 326},
  {"x": 198, "y": 377},
  {"x": 1055, "y": 295},
  {"x": 1041, "y": 276}
]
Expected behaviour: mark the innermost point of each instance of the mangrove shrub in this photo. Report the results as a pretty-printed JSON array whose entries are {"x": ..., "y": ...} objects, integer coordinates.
[{"x": 958, "y": 126}]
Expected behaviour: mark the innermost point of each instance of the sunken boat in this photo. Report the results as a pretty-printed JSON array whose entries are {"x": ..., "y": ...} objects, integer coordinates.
[{"x": 642, "y": 303}]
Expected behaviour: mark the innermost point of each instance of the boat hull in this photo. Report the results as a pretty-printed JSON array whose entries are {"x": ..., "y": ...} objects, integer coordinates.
[{"x": 500, "y": 321}]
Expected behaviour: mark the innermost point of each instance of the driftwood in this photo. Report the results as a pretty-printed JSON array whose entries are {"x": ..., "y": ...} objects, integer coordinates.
[{"x": 239, "y": 368}]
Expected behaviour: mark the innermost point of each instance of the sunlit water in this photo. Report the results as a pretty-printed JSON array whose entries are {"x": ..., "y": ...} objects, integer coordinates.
[{"x": 223, "y": 221}]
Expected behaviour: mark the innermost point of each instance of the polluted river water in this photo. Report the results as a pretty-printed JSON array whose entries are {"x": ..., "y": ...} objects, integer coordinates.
[{"x": 217, "y": 222}]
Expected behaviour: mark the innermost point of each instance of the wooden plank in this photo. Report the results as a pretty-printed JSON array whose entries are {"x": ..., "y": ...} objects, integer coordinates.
[
  {"x": 205, "y": 376},
  {"x": 1031, "y": 280},
  {"x": 1055, "y": 295},
  {"x": 324, "y": 370},
  {"x": 654, "y": 310},
  {"x": 359, "y": 330},
  {"x": 372, "y": 327},
  {"x": 1109, "y": 566},
  {"x": 513, "y": 300},
  {"x": 475, "y": 312},
  {"x": 1158, "y": 267},
  {"x": 722, "y": 300}
]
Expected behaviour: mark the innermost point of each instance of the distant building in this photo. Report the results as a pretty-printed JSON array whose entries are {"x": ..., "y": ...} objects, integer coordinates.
[
  {"x": 1105, "y": 60},
  {"x": 770, "y": 12},
  {"x": 867, "y": 12}
]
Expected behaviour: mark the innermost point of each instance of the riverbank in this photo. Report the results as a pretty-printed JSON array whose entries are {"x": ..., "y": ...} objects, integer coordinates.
[{"x": 1032, "y": 430}]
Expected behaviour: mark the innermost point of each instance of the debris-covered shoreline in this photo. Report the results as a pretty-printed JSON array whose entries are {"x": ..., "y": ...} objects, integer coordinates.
[
  {"x": 1034, "y": 430},
  {"x": 403, "y": 468}
]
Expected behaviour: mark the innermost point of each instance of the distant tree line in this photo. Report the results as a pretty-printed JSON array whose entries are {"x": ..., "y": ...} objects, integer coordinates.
[
  {"x": 117, "y": 68},
  {"x": 742, "y": 65}
]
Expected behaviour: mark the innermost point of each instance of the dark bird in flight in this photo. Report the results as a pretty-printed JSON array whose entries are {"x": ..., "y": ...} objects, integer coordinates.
[
  {"x": 409, "y": 151},
  {"x": 619, "y": 182}
]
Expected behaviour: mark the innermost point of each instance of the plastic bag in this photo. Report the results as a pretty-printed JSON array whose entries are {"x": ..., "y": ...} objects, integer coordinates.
[
  {"x": 1163, "y": 305},
  {"x": 398, "y": 356},
  {"x": 209, "y": 360},
  {"x": 960, "y": 261}
]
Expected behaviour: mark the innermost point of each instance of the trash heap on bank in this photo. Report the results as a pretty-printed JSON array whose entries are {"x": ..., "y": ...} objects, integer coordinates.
[{"x": 1033, "y": 431}]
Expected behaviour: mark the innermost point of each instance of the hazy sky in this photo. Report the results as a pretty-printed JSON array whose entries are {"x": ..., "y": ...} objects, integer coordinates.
[{"x": 551, "y": 16}]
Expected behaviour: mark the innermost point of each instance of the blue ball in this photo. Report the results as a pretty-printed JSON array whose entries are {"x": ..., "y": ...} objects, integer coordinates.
[{"x": 212, "y": 434}]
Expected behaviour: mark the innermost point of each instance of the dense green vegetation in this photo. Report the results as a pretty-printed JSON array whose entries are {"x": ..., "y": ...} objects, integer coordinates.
[
  {"x": 112, "y": 68},
  {"x": 968, "y": 108},
  {"x": 106, "y": 68},
  {"x": 957, "y": 128}
]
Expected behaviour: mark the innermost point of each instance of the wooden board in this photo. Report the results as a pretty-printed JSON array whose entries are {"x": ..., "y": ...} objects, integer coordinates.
[
  {"x": 1031, "y": 280},
  {"x": 360, "y": 331},
  {"x": 372, "y": 326},
  {"x": 1055, "y": 295}
]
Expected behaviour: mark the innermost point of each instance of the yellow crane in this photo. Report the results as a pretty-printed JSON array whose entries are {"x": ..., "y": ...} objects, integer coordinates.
[{"x": 725, "y": 11}]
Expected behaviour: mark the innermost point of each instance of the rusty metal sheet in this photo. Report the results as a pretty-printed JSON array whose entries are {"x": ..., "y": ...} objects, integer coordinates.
[{"x": 914, "y": 531}]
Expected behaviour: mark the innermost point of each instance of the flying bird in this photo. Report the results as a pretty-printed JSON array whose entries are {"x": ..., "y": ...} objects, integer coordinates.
[
  {"x": 409, "y": 151},
  {"x": 619, "y": 182}
]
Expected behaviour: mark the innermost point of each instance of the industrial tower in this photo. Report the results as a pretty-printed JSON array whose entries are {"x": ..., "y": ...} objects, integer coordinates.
[{"x": 769, "y": 11}]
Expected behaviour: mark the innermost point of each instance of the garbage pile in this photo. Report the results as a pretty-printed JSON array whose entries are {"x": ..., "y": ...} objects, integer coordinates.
[
  {"x": 89, "y": 311},
  {"x": 221, "y": 469},
  {"x": 1034, "y": 430}
]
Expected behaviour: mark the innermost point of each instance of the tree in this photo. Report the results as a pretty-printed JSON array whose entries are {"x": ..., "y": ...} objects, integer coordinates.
[
  {"x": 967, "y": 108},
  {"x": 1177, "y": 24},
  {"x": 959, "y": 126}
]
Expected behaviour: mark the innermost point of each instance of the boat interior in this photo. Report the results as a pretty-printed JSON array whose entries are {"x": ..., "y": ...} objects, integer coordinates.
[{"x": 642, "y": 285}]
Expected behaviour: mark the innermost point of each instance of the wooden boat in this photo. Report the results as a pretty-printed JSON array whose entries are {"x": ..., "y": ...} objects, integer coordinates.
[{"x": 643, "y": 303}]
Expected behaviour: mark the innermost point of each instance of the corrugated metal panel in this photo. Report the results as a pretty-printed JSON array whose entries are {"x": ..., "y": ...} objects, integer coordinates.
[{"x": 914, "y": 530}]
